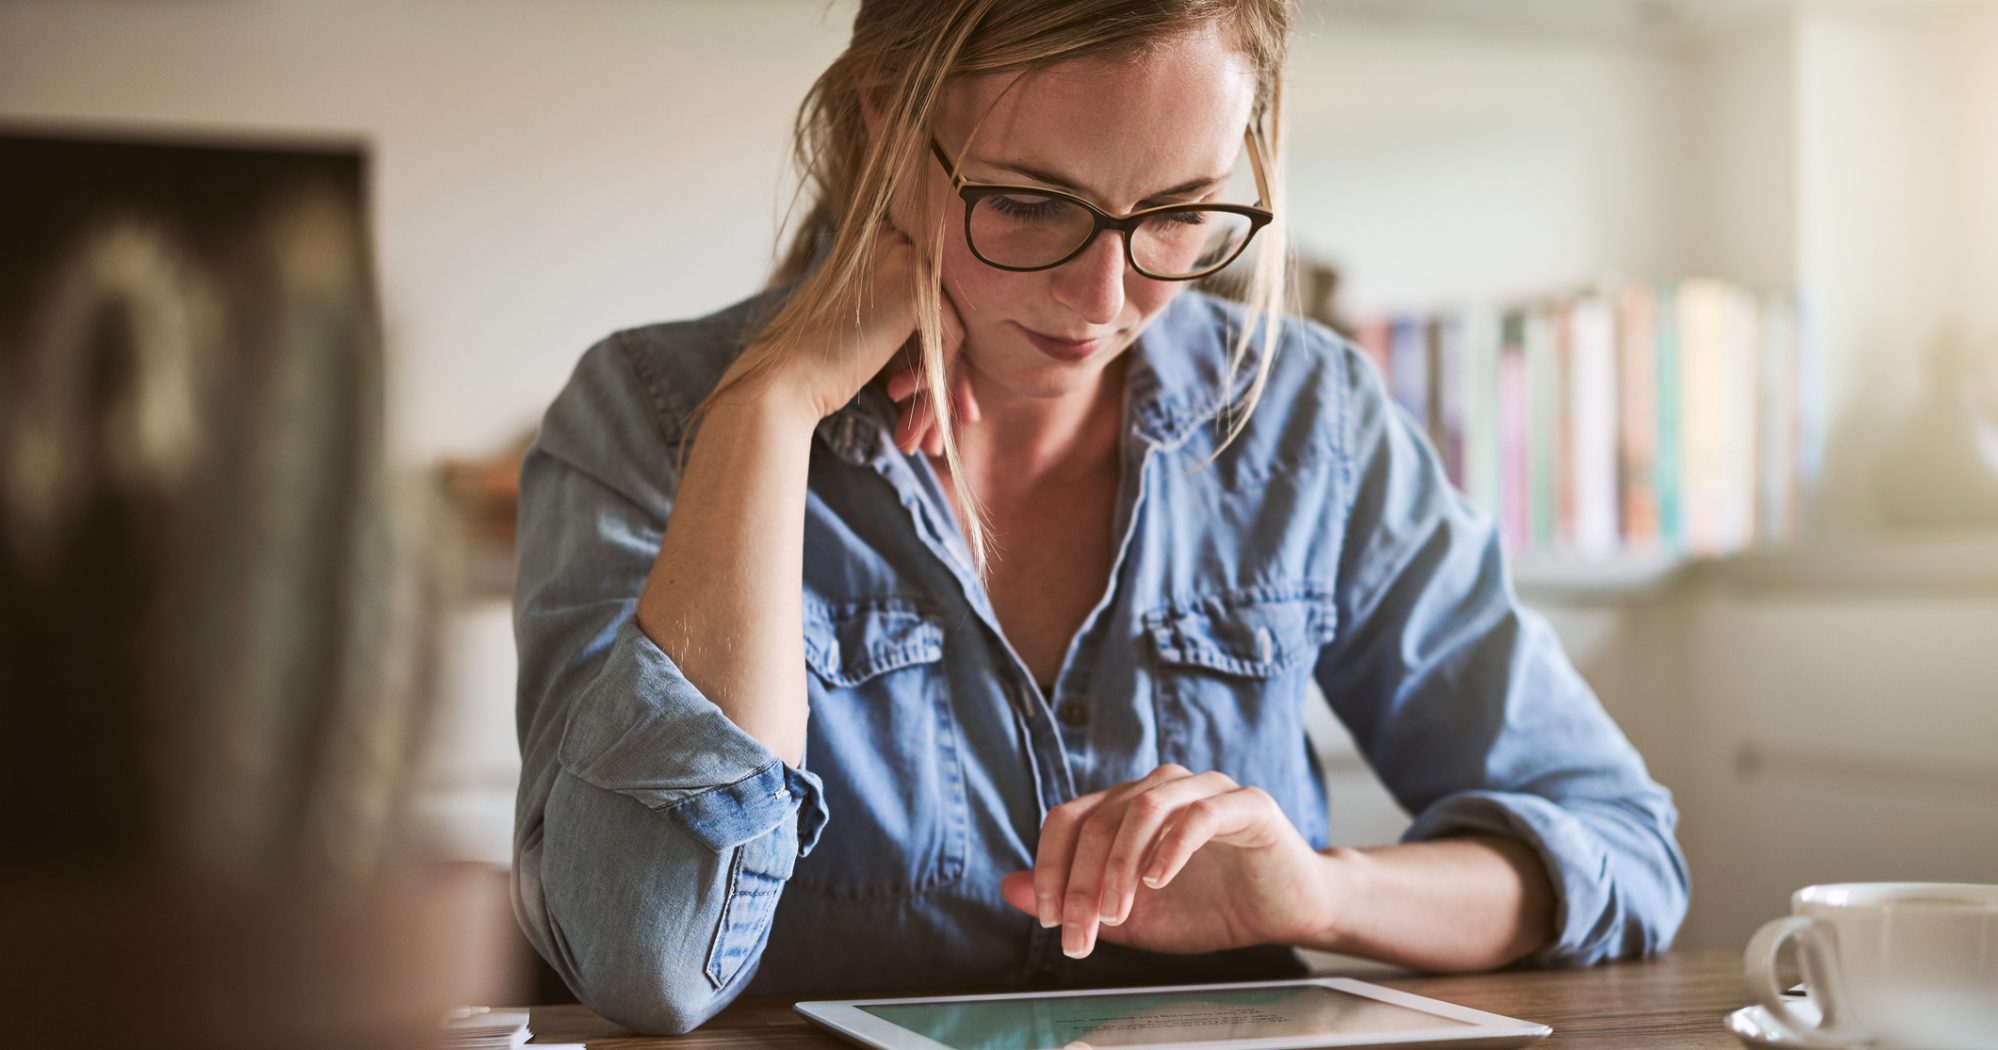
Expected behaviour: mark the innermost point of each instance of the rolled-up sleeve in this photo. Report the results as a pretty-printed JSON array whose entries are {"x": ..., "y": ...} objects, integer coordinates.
[
  {"x": 1466, "y": 707},
  {"x": 652, "y": 834}
]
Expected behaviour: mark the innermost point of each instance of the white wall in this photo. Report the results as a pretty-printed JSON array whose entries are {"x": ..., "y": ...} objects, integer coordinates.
[
  {"x": 1974, "y": 57},
  {"x": 1897, "y": 219},
  {"x": 545, "y": 172},
  {"x": 1875, "y": 214},
  {"x": 1440, "y": 166},
  {"x": 1741, "y": 159},
  {"x": 1841, "y": 728}
]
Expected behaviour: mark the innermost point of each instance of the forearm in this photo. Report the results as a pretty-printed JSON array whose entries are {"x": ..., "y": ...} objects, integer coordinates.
[
  {"x": 723, "y": 598},
  {"x": 1470, "y": 903}
]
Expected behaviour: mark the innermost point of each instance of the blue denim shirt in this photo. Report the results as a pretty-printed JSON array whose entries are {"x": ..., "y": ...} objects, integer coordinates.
[{"x": 666, "y": 861}]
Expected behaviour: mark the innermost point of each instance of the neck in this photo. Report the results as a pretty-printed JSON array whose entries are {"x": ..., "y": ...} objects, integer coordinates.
[{"x": 1020, "y": 442}]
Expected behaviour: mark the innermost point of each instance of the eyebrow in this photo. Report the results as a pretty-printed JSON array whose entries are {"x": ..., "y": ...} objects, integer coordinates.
[{"x": 1052, "y": 179}]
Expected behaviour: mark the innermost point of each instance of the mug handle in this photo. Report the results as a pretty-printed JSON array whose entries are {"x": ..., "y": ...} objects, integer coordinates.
[{"x": 1821, "y": 978}]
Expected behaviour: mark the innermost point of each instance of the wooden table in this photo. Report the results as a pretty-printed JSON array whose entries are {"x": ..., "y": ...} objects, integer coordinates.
[{"x": 1676, "y": 1001}]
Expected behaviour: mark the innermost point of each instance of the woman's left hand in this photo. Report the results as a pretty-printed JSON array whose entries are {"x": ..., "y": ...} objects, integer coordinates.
[
  {"x": 1177, "y": 862},
  {"x": 917, "y": 427}
]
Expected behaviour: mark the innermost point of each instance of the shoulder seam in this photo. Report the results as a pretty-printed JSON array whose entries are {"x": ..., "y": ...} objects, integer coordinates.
[{"x": 668, "y": 418}]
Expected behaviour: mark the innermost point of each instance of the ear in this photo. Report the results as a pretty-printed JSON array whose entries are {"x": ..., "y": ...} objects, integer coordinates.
[{"x": 868, "y": 91}]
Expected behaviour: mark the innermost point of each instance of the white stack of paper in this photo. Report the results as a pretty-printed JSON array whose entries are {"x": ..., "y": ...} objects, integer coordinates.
[{"x": 478, "y": 1028}]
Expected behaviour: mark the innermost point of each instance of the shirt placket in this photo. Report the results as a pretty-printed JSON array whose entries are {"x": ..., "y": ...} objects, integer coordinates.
[{"x": 863, "y": 436}]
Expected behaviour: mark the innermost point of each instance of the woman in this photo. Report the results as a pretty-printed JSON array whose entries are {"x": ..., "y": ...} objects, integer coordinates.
[{"x": 1056, "y": 641}]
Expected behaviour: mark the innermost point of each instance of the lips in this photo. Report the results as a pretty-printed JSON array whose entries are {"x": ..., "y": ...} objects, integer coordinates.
[{"x": 1063, "y": 349}]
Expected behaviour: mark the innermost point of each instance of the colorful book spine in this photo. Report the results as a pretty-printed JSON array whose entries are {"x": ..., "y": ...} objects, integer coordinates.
[
  {"x": 1665, "y": 470},
  {"x": 1483, "y": 338},
  {"x": 1408, "y": 367},
  {"x": 1704, "y": 420},
  {"x": 1637, "y": 422},
  {"x": 1449, "y": 392},
  {"x": 1566, "y": 484},
  {"x": 1543, "y": 451},
  {"x": 1592, "y": 385},
  {"x": 1512, "y": 410},
  {"x": 1741, "y": 459},
  {"x": 1637, "y": 419},
  {"x": 1373, "y": 337}
]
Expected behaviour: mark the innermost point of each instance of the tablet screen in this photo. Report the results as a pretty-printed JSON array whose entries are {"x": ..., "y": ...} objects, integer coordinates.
[{"x": 1141, "y": 1018}]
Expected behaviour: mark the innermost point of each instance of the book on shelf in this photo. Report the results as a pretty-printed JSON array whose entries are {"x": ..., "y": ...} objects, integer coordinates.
[
  {"x": 1631, "y": 421},
  {"x": 1593, "y": 400}
]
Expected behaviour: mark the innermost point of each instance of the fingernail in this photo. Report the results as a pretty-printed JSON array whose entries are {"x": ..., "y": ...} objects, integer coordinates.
[
  {"x": 1071, "y": 941},
  {"x": 1155, "y": 876},
  {"x": 1106, "y": 908},
  {"x": 1045, "y": 903}
]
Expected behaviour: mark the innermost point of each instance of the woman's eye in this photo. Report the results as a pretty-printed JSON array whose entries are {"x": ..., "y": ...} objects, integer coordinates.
[
  {"x": 1185, "y": 218},
  {"x": 1025, "y": 209}
]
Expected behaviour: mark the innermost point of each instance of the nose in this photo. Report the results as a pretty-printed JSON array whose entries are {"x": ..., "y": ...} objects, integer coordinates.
[{"x": 1092, "y": 284}]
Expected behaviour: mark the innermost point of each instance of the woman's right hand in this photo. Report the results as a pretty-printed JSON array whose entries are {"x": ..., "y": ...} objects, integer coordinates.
[{"x": 827, "y": 375}]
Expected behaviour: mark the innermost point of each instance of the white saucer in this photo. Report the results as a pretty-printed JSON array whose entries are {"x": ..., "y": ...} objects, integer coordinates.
[{"x": 1755, "y": 1027}]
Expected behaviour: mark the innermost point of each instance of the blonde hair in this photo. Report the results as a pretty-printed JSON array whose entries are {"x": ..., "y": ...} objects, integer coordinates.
[{"x": 913, "y": 50}]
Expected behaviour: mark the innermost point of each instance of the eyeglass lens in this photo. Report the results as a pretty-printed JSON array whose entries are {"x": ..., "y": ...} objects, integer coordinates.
[{"x": 1030, "y": 230}]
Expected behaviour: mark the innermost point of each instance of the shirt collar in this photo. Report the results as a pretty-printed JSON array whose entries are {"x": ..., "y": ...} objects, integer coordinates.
[{"x": 1179, "y": 377}]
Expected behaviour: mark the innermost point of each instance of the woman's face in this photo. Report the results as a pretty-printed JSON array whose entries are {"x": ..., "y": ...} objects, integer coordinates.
[{"x": 1119, "y": 133}]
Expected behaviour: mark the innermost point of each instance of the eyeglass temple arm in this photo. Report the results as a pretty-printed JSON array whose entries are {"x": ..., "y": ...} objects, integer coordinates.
[
  {"x": 949, "y": 166},
  {"x": 1253, "y": 139}
]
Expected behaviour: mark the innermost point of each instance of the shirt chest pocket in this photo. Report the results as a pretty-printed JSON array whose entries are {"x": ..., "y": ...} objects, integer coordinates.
[
  {"x": 884, "y": 742},
  {"x": 1231, "y": 674}
]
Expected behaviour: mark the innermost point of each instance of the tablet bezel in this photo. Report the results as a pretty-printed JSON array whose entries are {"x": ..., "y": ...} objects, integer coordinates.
[{"x": 846, "y": 1018}]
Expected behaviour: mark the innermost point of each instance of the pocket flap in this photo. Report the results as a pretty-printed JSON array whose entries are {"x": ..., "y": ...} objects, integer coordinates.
[
  {"x": 849, "y": 644},
  {"x": 1256, "y": 634}
]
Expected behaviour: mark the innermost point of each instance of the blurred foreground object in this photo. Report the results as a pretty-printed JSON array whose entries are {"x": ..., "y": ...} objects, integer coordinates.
[{"x": 216, "y": 612}]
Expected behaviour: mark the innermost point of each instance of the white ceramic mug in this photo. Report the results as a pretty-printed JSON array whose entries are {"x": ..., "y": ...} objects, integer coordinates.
[{"x": 1905, "y": 964}]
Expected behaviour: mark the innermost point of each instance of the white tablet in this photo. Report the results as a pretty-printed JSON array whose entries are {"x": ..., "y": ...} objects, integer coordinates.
[{"x": 1266, "y": 1015}]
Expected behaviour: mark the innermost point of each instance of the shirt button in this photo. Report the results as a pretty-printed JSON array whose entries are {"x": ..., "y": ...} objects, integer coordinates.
[{"x": 1074, "y": 712}]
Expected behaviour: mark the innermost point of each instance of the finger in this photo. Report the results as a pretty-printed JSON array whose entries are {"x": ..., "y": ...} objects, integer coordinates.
[
  {"x": 964, "y": 403},
  {"x": 1199, "y": 822},
  {"x": 1083, "y": 899},
  {"x": 913, "y": 428},
  {"x": 1017, "y": 889},
  {"x": 962, "y": 399},
  {"x": 1054, "y": 851},
  {"x": 933, "y": 441},
  {"x": 902, "y": 383},
  {"x": 1145, "y": 816},
  {"x": 953, "y": 329}
]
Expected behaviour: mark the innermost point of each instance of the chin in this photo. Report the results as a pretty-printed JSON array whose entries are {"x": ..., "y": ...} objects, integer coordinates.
[{"x": 1015, "y": 366}]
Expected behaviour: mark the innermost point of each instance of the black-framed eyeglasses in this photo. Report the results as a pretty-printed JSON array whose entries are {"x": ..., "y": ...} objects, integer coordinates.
[{"x": 1027, "y": 228}]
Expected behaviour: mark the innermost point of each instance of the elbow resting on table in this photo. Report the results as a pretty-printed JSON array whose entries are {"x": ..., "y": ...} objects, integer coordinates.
[
  {"x": 660, "y": 1009},
  {"x": 635, "y": 930},
  {"x": 648, "y": 979},
  {"x": 1646, "y": 884}
]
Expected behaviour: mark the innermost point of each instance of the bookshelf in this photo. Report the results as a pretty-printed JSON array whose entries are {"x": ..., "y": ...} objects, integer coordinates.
[
  {"x": 1622, "y": 428},
  {"x": 1574, "y": 580}
]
